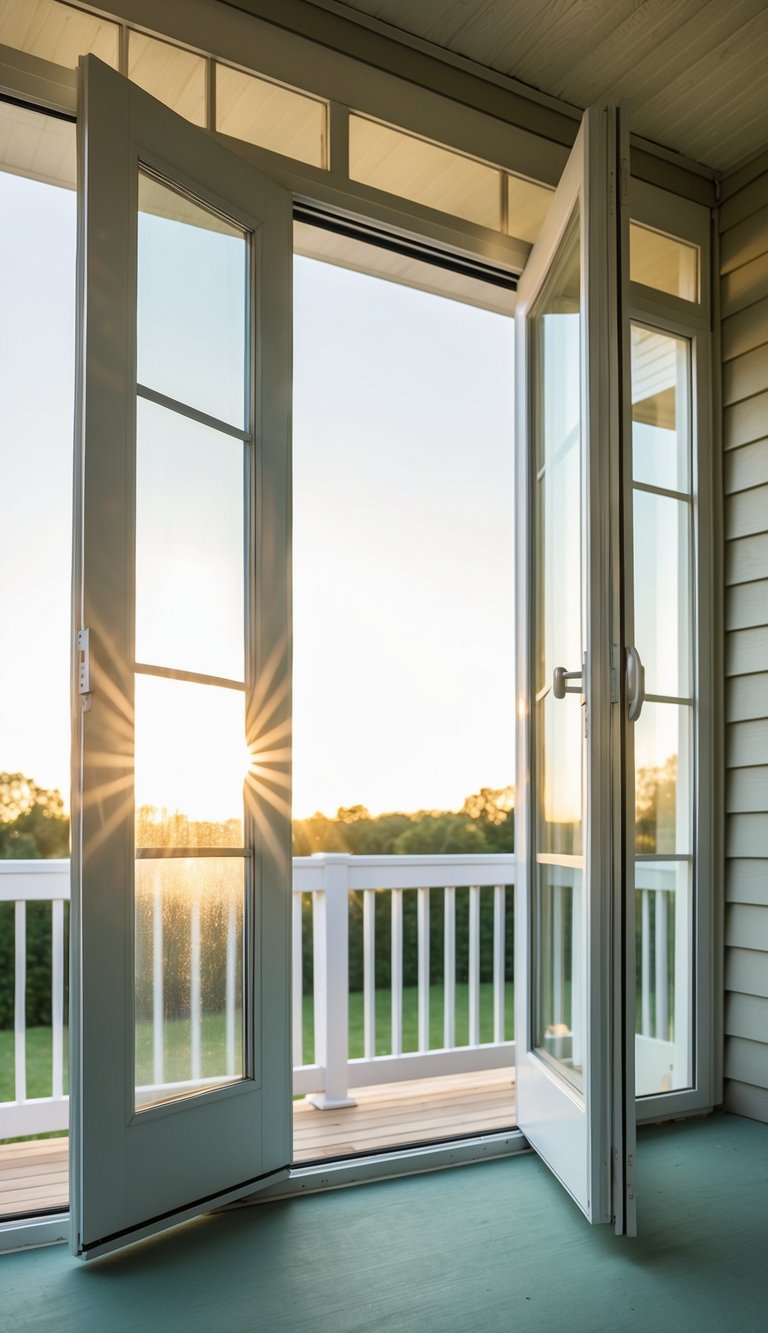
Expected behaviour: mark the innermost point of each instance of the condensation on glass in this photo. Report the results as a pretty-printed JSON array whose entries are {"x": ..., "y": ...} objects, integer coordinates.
[
  {"x": 402, "y": 164},
  {"x": 558, "y": 994},
  {"x": 663, "y": 262},
  {"x": 57, "y": 32},
  {"x": 271, "y": 116},
  {"x": 191, "y": 757},
  {"x": 170, "y": 73},
  {"x": 664, "y": 735}
]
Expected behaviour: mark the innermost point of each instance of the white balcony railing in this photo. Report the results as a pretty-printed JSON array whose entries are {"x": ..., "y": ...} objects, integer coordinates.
[{"x": 329, "y": 879}]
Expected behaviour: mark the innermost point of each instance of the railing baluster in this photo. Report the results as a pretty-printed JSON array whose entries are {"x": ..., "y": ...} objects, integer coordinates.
[
  {"x": 558, "y": 957},
  {"x": 449, "y": 967},
  {"x": 20, "y": 1002},
  {"x": 422, "y": 913},
  {"x": 369, "y": 973},
  {"x": 297, "y": 980},
  {"x": 474, "y": 966},
  {"x": 645, "y": 963},
  {"x": 499, "y": 904},
  {"x": 230, "y": 998},
  {"x": 661, "y": 959},
  {"x": 195, "y": 996},
  {"x": 57, "y": 997},
  {"x": 158, "y": 997},
  {"x": 397, "y": 971}
]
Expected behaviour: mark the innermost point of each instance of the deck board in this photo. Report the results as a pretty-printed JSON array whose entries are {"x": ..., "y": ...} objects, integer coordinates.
[{"x": 33, "y": 1175}]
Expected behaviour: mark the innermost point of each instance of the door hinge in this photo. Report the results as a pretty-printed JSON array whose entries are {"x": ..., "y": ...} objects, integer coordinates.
[{"x": 84, "y": 666}]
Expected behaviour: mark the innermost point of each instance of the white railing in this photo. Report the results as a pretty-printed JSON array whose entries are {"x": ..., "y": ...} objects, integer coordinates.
[{"x": 329, "y": 879}]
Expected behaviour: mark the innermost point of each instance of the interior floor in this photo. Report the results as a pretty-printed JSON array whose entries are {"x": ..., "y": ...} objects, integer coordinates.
[{"x": 493, "y": 1246}]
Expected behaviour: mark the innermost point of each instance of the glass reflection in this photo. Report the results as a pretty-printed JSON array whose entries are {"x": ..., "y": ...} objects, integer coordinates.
[
  {"x": 559, "y": 1018},
  {"x": 192, "y": 310},
  {"x": 662, "y": 592},
  {"x": 663, "y": 779},
  {"x": 189, "y": 545},
  {"x": 663, "y": 1042},
  {"x": 191, "y": 762},
  {"x": 660, "y": 410},
  {"x": 189, "y": 976}
]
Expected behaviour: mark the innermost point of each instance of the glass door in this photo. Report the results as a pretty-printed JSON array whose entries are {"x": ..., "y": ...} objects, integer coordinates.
[
  {"x": 573, "y": 1056},
  {"x": 181, "y": 850}
]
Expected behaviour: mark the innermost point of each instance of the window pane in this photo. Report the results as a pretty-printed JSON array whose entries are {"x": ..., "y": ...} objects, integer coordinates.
[
  {"x": 191, "y": 762},
  {"x": 189, "y": 976},
  {"x": 663, "y": 630},
  {"x": 270, "y": 116},
  {"x": 399, "y": 163},
  {"x": 663, "y": 1044},
  {"x": 189, "y": 545},
  {"x": 56, "y": 32},
  {"x": 37, "y": 335},
  {"x": 559, "y": 1017},
  {"x": 170, "y": 74},
  {"x": 663, "y": 789},
  {"x": 661, "y": 446},
  {"x": 192, "y": 271},
  {"x": 528, "y": 205},
  {"x": 663, "y": 262}
]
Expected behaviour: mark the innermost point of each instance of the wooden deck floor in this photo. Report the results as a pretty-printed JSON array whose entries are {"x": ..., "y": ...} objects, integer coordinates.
[{"x": 33, "y": 1175}]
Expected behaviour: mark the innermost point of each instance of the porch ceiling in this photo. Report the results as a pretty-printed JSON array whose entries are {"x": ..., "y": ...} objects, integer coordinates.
[{"x": 695, "y": 72}]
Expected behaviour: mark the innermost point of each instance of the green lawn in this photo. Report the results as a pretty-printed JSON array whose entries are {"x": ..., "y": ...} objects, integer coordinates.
[{"x": 212, "y": 1042}]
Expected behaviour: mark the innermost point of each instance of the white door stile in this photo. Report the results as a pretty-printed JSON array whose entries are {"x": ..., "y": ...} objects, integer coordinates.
[
  {"x": 136, "y": 1172},
  {"x": 579, "y": 1131}
]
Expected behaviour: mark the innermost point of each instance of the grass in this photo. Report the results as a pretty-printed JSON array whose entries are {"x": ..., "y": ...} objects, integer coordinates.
[{"x": 39, "y": 1044}]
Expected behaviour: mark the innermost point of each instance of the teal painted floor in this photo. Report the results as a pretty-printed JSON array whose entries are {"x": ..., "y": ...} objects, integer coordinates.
[{"x": 497, "y": 1246}]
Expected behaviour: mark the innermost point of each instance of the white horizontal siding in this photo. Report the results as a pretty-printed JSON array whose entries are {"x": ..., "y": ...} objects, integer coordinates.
[{"x": 744, "y": 302}]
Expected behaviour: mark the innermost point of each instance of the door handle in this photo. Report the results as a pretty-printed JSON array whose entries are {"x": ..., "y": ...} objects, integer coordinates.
[
  {"x": 635, "y": 684},
  {"x": 559, "y": 687}
]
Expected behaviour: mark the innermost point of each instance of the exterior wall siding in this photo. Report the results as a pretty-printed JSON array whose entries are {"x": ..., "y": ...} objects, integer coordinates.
[{"x": 744, "y": 304}]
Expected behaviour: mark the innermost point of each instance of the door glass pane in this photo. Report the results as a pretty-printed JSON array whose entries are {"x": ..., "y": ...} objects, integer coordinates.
[
  {"x": 663, "y": 262},
  {"x": 192, "y": 290},
  {"x": 664, "y": 1026},
  {"x": 191, "y": 762},
  {"x": 660, "y": 410},
  {"x": 189, "y": 544},
  {"x": 663, "y": 779},
  {"x": 189, "y": 976},
  {"x": 663, "y": 592},
  {"x": 557, "y": 982}
]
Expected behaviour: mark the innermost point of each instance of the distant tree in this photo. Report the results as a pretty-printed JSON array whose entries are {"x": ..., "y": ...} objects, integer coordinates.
[
  {"x": 32, "y": 820},
  {"x": 655, "y": 802}
]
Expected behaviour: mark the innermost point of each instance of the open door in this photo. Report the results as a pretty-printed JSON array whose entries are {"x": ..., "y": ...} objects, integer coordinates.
[
  {"x": 574, "y": 1002},
  {"x": 181, "y": 1087}
]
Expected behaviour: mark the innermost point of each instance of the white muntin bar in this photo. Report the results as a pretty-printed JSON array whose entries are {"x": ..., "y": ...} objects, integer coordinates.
[
  {"x": 397, "y": 972},
  {"x": 422, "y": 911},
  {"x": 449, "y": 967},
  {"x": 297, "y": 981},
  {"x": 474, "y": 965},
  {"x": 499, "y": 952},
  {"x": 369, "y": 973},
  {"x": 19, "y": 1005},
  {"x": 57, "y": 996},
  {"x": 230, "y": 997}
]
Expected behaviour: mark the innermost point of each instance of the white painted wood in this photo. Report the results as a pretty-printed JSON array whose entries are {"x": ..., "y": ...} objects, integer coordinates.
[
  {"x": 422, "y": 925},
  {"x": 57, "y": 998},
  {"x": 473, "y": 988},
  {"x": 396, "y": 971},
  {"x": 126, "y": 1167},
  {"x": 369, "y": 973},
  {"x": 661, "y": 963},
  {"x": 158, "y": 986},
  {"x": 297, "y": 981},
  {"x": 331, "y": 970},
  {"x": 20, "y": 1002},
  {"x": 645, "y": 963},
  {"x": 195, "y": 984},
  {"x": 230, "y": 992},
  {"x": 449, "y": 966},
  {"x": 499, "y": 959}
]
